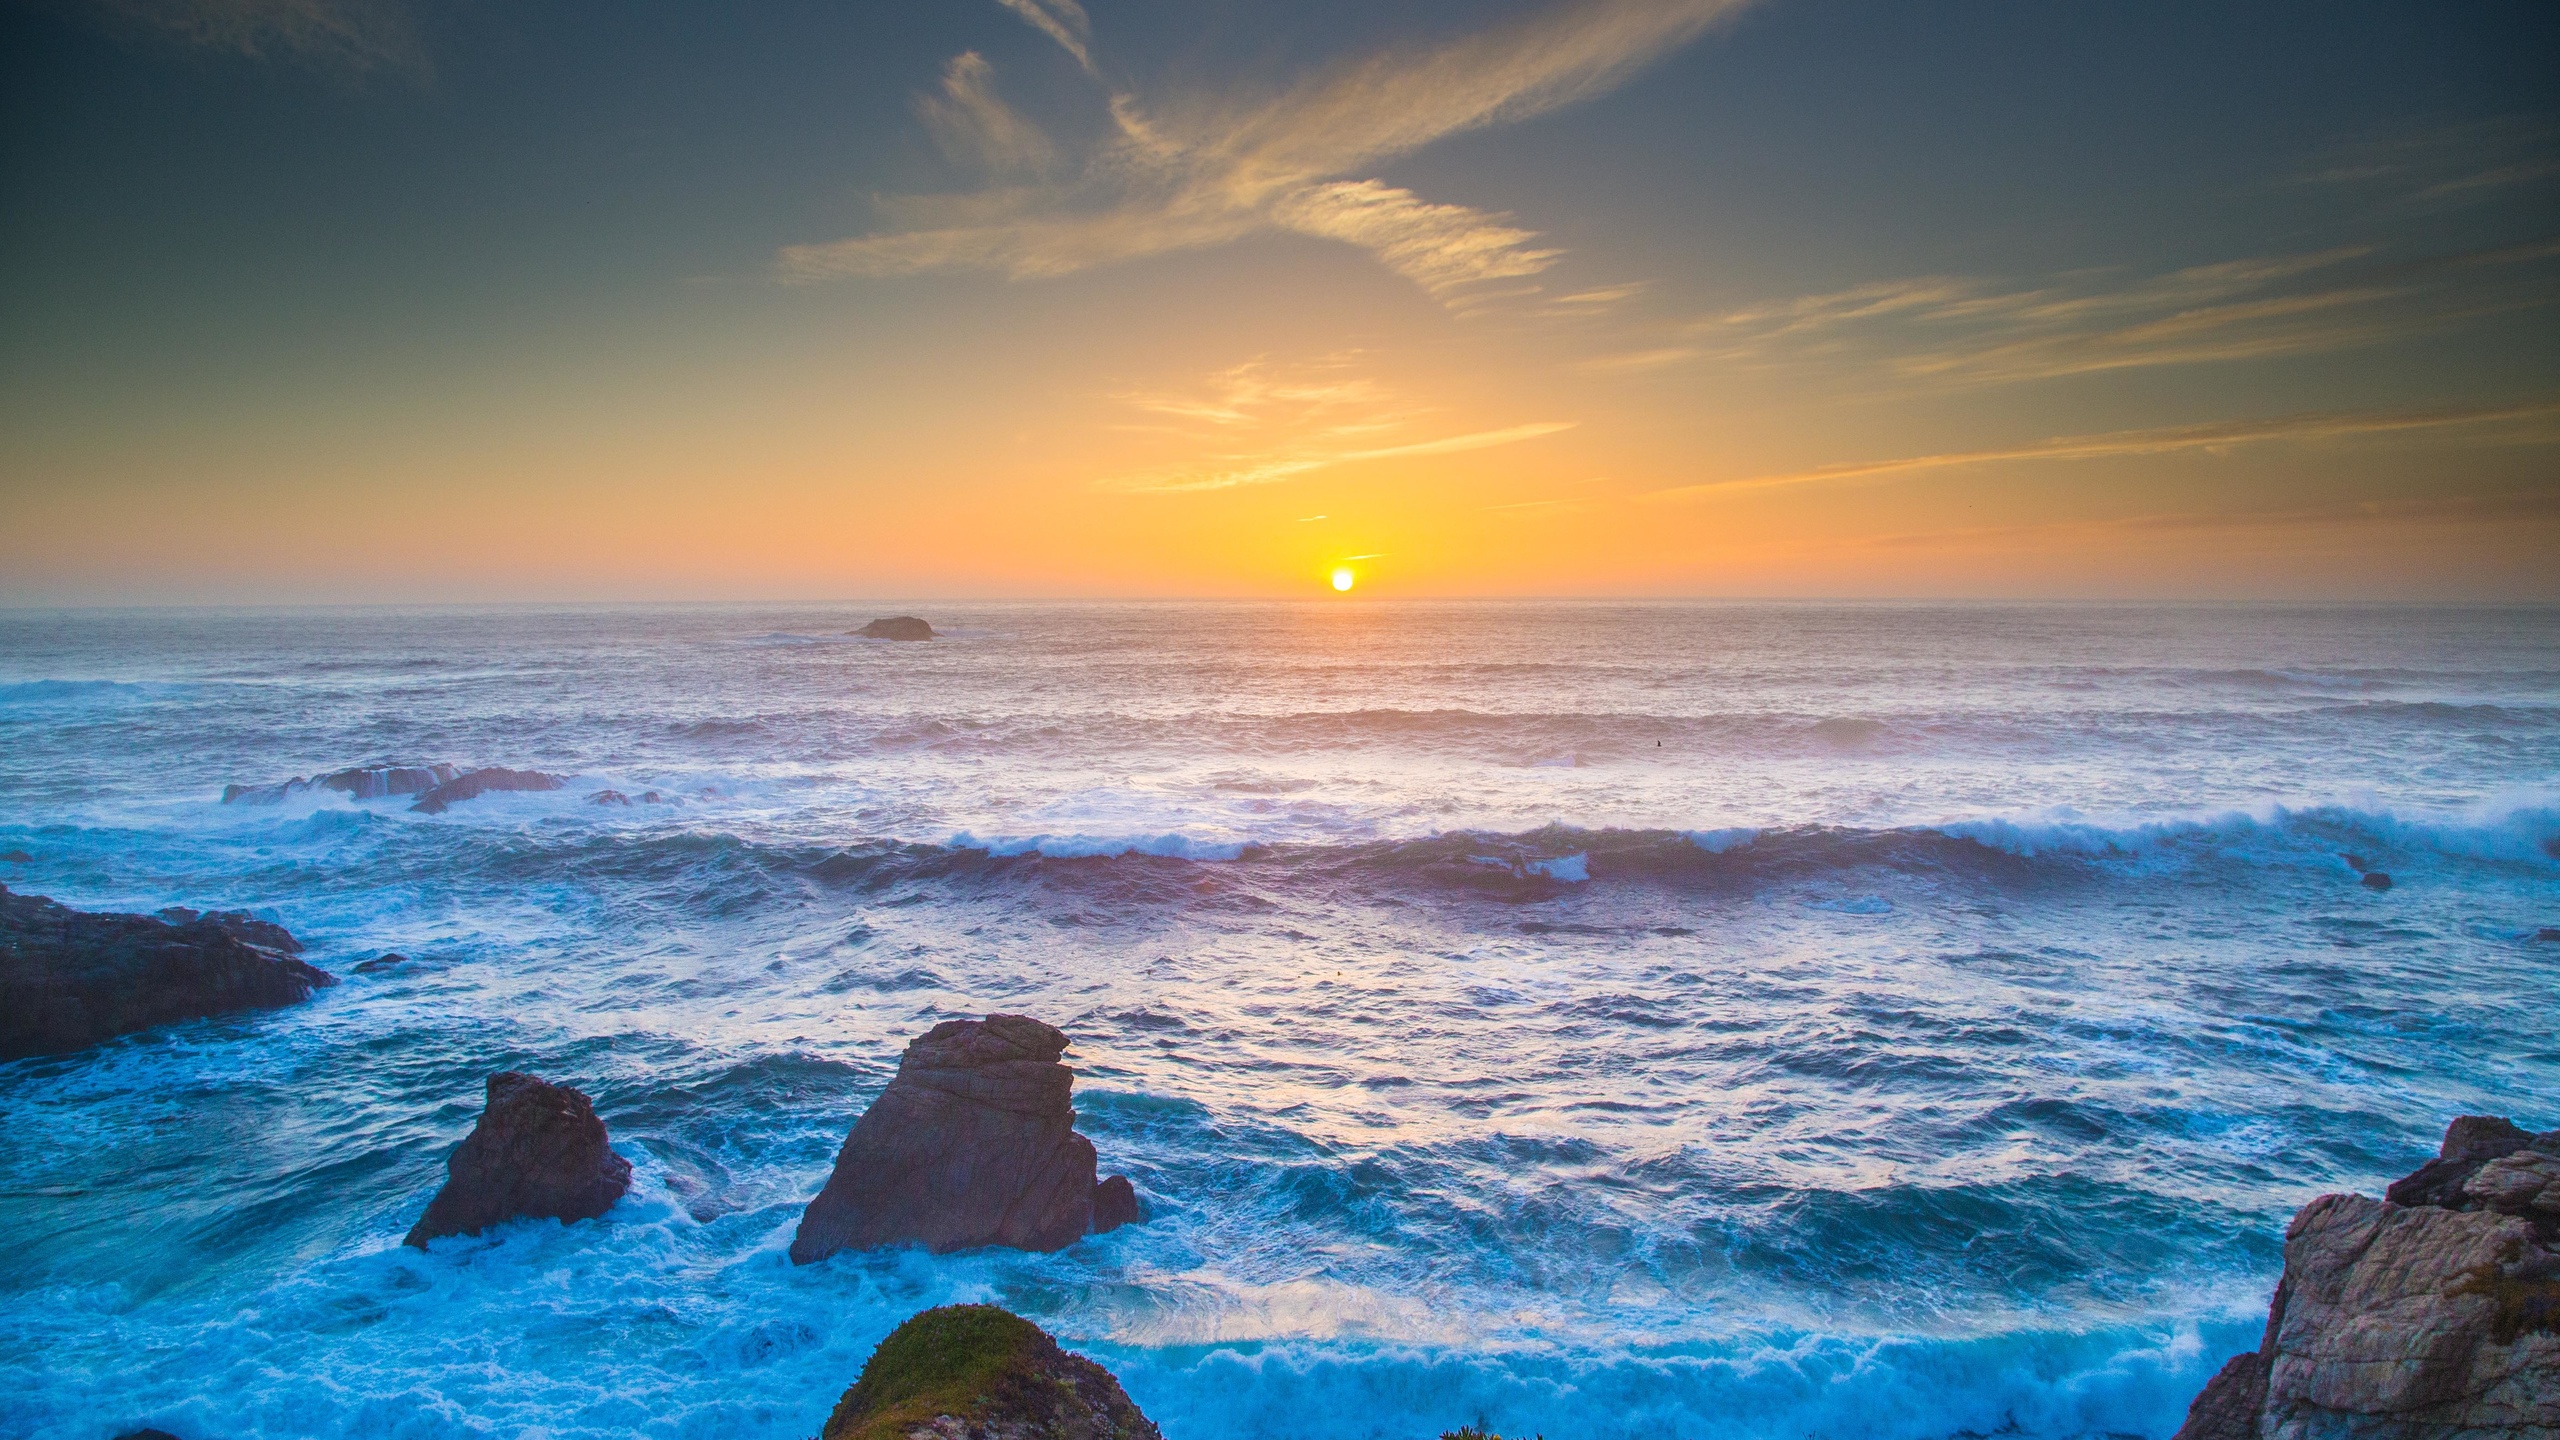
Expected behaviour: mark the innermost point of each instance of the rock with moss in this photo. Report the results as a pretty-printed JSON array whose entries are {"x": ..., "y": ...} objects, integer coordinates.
[
  {"x": 2435, "y": 1313},
  {"x": 980, "y": 1372}
]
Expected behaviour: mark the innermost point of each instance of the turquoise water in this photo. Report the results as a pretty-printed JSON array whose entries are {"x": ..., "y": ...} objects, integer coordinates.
[{"x": 1610, "y": 1020}]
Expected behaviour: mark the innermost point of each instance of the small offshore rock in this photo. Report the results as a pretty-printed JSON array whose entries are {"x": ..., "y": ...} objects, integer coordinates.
[
  {"x": 146, "y": 1434},
  {"x": 69, "y": 979},
  {"x": 372, "y": 782},
  {"x": 539, "y": 1152},
  {"x": 388, "y": 960},
  {"x": 1115, "y": 1203},
  {"x": 2376, "y": 880},
  {"x": 896, "y": 627},
  {"x": 981, "y": 1372},
  {"x": 2548, "y": 934},
  {"x": 609, "y": 797},
  {"x": 21, "y": 857},
  {"x": 482, "y": 782},
  {"x": 973, "y": 1144}
]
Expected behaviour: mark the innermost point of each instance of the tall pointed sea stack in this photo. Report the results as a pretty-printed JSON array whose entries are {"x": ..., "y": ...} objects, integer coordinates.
[{"x": 972, "y": 1144}]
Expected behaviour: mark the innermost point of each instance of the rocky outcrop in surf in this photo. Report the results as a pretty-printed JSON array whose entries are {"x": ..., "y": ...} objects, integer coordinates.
[
  {"x": 473, "y": 785},
  {"x": 895, "y": 627},
  {"x": 364, "y": 782},
  {"x": 69, "y": 979},
  {"x": 436, "y": 786},
  {"x": 979, "y": 1372},
  {"x": 539, "y": 1152},
  {"x": 973, "y": 1144},
  {"x": 2434, "y": 1312}
]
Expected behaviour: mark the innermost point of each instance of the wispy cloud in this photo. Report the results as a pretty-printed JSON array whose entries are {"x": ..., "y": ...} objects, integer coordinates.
[
  {"x": 1061, "y": 20},
  {"x": 1207, "y": 171},
  {"x": 1256, "y": 424},
  {"x": 1956, "y": 329},
  {"x": 2117, "y": 444},
  {"x": 346, "y": 34},
  {"x": 973, "y": 126}
]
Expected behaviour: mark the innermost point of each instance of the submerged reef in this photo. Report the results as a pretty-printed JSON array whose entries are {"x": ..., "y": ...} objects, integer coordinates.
[
  {"x": 973, "y": 1144},
  {"x": 69, "y": 979},
  {"x": 979, "y": 1372},
  {"x": 539, "y": 1152},
  {"x": 2434, "y": 1312}
]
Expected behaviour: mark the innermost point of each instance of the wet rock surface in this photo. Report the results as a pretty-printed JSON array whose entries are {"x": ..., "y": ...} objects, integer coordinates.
[
  {"x": 973, "y": 1144},
  {"x": 363, "y": 782},
  {"x": 477, "y": 783},
  {"x": 2411, "y": 1316},
  {"x": 69, "y": 979},
  {"x": 538, "y": 1152},
  {"x": 978, "y": 1372}
]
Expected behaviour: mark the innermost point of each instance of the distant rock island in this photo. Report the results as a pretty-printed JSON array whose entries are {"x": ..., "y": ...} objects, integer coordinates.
[
  {"x": 973, "y": 1144},
  {"x": 895, "y": 627},
  {"x": 2434, "y": 1312},
  {"x": 436, "y": 786},
  {"x": 69, "y": 979}
]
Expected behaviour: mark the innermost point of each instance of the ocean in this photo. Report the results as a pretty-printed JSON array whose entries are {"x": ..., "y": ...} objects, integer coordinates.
[{"x": 1589, "y": 1019}]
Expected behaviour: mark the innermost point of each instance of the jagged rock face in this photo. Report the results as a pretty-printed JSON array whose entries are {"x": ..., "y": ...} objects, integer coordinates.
[
  {"x": 2430, "y": 1317},
  {"x": 482, "y": 782},
  {"x": 972, "y": 1144},
  {"x": 539, "y": 1152},
  {"x": 69, "y": 979},
  {"x": 977, "y": 1372},
  {"x": 2413, "y": 1322}
]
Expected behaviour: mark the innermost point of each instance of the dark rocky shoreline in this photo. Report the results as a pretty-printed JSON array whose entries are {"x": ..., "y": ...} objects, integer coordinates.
[{"x": 70, "y": 979}]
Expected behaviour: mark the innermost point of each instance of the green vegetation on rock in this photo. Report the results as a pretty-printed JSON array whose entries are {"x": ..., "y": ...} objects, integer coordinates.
[{"x": 990, "y": 1370}]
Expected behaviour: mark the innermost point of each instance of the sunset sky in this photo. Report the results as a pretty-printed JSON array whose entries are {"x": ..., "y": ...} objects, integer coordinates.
[{"x": 414, "y": 300}]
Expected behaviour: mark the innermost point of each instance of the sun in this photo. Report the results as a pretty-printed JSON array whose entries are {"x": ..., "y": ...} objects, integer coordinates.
[{"x": 1343, "y": 578}]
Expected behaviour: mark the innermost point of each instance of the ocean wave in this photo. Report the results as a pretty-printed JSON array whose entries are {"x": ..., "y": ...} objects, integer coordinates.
[{"x": 55, "y": 692}]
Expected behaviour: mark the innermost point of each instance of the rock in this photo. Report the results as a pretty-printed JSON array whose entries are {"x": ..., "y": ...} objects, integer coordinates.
[
  {"x": 539, "y": 1152},
  {"x": 609, "y": 797},
  {"x": 2410, "y": 1317},
  {"x": 374, "y": 782},
  {"x": 21, "y": 857},
  {"x": 69, "y": 979},
  {"x": 2525, "y": 1184},
  {"x": 978, "y": 1372},
  {"x": 2470, "y": 1142},
  {"x": 2413, "y": 1322},
  {"x": 2376, "y": 880},
  {"x": 363, "y": 782},
  {"x": 146, "y": 1434},
  {"x": 388, "y": 960},
  {"x": 972, "y": 1144},
  {"x": 2228, "y": 1406},
  {"x": 1115, "y": 1203},
  {"x": 895, "y": 627},
  {"x": 2548, "y": 934},
  {"x": 264, "y": 794},
  {"x": 482, "y": 782}
]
